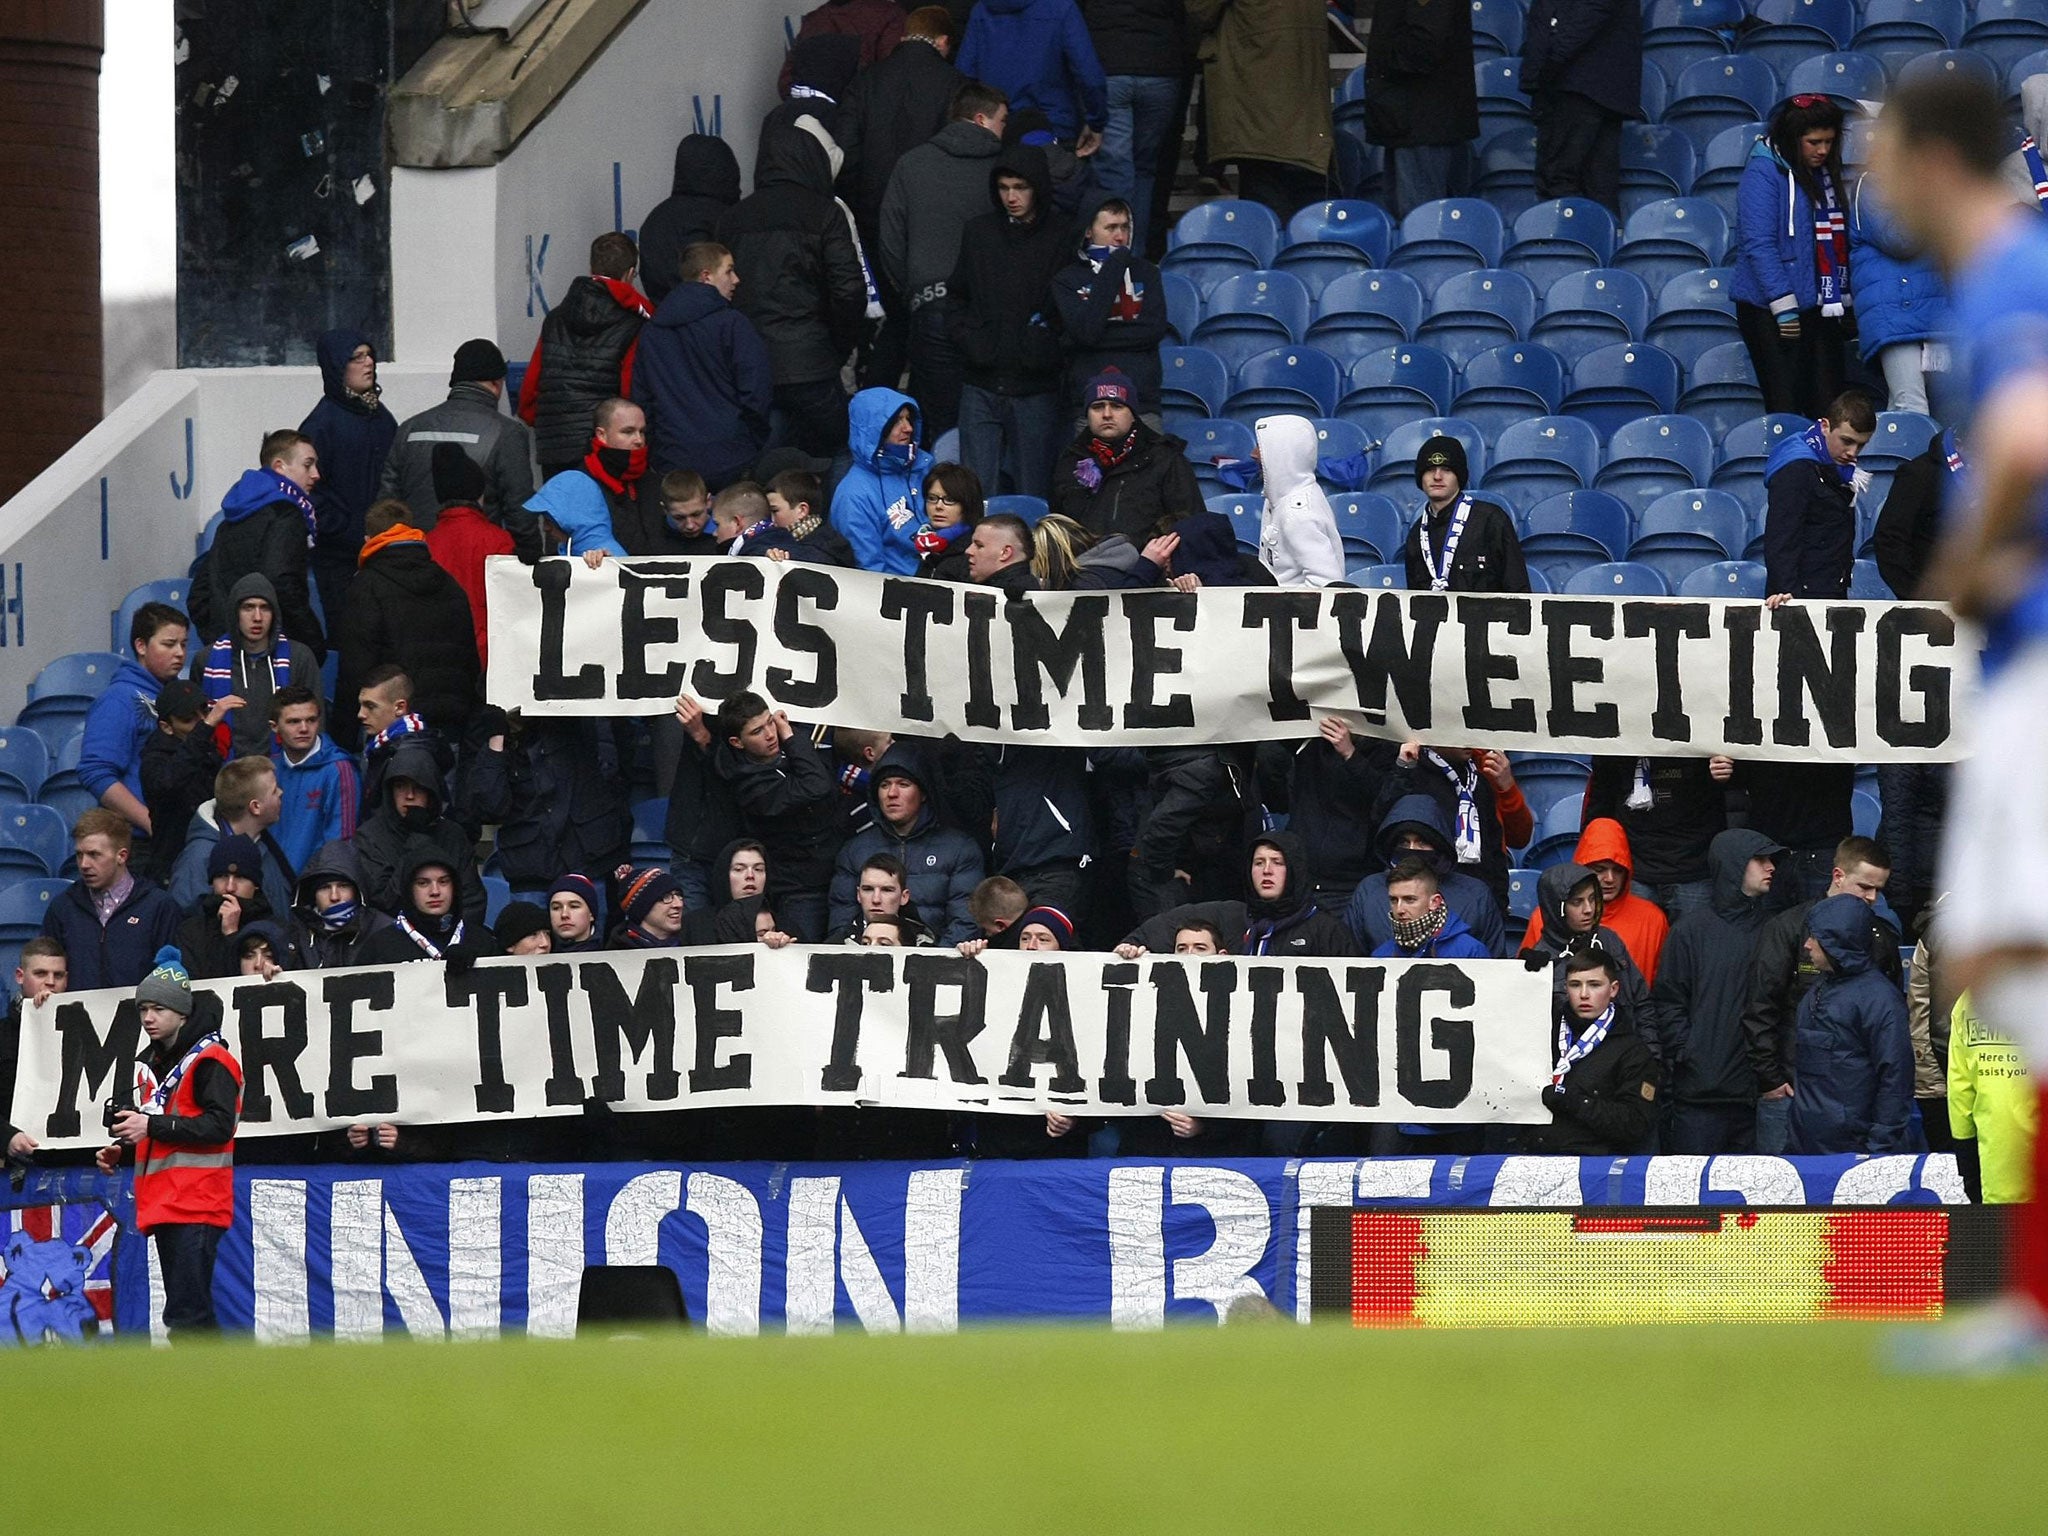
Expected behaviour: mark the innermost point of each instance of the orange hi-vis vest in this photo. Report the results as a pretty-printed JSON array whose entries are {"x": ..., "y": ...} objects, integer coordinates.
[{"x": 184, "y": 1183}]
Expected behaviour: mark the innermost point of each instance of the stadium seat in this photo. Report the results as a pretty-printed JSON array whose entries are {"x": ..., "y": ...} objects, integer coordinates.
[
  {"x": 1534, "y": 460},
  {"x": 1448, "y": 236},
  {"x": 1743, "y": 579},
  {"x": 62, "y": 790},
  {"x": 1244, "y": 512},
  {"x": 1744, "y": 451},
  {"x": 1896, "y": 30},
  {"x": 1557, "y": 835},
  {"x": 2005, "y": 31},
  {"x": 172, "y": 590},
  {"x": 1364, "y": 311},
  {"x": 24, "y": 760},
  {"x": 1193, "y": 381},
  {"x": 1592, "y": 309},
  {"x": 1221, "y": 237},
  {"x": 1360, "y": 167},
  {"x": 1720, "y": 168},
  {"x": 1721, "y": 390},
  {"x": 650, "y": 832},
  {"x": 1616, "y": 384},
  {"x": 2025, "y": 69},
  {"x": 1393, "y": 385},
  {"x": 1948, "y": 62},
  {"x": 1294, "y": 379},
  {"x": 1497, "y": 27},
  {"x": 1856, "y": 132},
  {"x": 1251, "y": 312},
  {"x": 1502, "y": 102},
  {"x": 1865, "y": 813},
  {"x": 1210, "y": 438},
  {"x": 1652, "y": 456},
  {"x": 1550, "y": 773},
  {"x": 1788, "y": 31},
  {"x": 34, "y": 842},
  {"x": 1327, "y": 240},
  {"x": 1337, "y": 439},
  {"x": 1183, "y": 305},
  {"x": 1522, "y": 882},
  {"x": 1396, "y": 470},
  {"x": 1566, "y": 534},
  {"x": 1656, "y": 95},
  {"x": 1507, "y": 170},
  {"x": 1347, "y": 102},
  {"x": 64, "y": 690},
  {"x": 1370, "y": 526},
  {"x": 1867, "y": 584},
  {"x": 1900, "y": 435},
  {"x": 1656, "y": 161},
  {"x": 1671, "y": 237},
  {"x": 1684, "y": 530},
  {"x": 1716, "y": 94},
  {"x": 1477, "y": 310},
  {"x": 23, "y": 905},
  {"x": 1849, "y": 79},
  {"x": 1029, "y": 508},
  {"x": 1619, "y": 578},
  {"x": 1505, "y": 385},
  {"x": 204, "y": 541},
  {"x": 1388, "y": 578},
  {"x": 1678, "y": 33},
  {"x": 1562, "y": 236}
]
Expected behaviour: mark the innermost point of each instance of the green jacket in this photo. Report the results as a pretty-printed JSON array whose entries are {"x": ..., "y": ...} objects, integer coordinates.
[{"x": 1266, "y": 76}]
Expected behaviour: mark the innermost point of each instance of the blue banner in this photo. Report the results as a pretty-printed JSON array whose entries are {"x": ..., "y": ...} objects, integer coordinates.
[{"x": 478, "y": 1249}]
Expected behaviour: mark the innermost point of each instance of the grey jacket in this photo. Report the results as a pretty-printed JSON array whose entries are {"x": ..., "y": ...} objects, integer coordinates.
[
  {"x": 502, "y": 444},
  {"x": 934, "y": 190}
]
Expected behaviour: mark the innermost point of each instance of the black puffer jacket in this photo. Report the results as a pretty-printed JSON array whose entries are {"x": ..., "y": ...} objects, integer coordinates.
[
  {"x": 791, "y": 807},
  {"x": 583, "y": 346},
  {"x": 1152, "y": 488},
  {"x": 1607, "y": 1104},
  {"x": 558, "y": 805},
  {"x": 800, "y": 276},
  {"x": 891, "y": 108},
  {"x": 707, "y": 182},
  {"x": 460, "y": 935},
  {"x": 1809, "y": 531},
  {"x": 1291, "y": 925},
  {"x": 1703, "y": 981},
  {"x": 1002, "y": 285},
  {"x": 404, "y": 608}
]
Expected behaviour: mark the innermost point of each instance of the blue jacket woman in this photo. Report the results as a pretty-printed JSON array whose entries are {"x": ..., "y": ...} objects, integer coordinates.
[
  {"x": 879, "y": 506},
  {"x": 1792, "y": 269}
]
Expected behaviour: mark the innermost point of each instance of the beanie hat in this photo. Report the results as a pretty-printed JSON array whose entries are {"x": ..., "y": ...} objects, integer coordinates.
[
  {"x": 1111, "y": 384},
  {"x": 582, "y": 887},
  {"x": 477, "y": 361},
  {"x": 457, "y": 477},
  {"x": 168, "y": 985},
  {"x": 180, "y": 699},
  {"x": 519, "y": 920},
  {"x": 646, "y": 889},
  {"x": 235, "y": 854},
  {"x": 1442, "y": 452},
  {"x": 1052, "y": 918}
]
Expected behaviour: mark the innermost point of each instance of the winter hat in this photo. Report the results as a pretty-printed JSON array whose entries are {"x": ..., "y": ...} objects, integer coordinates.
[
  {"x": 167, "y": 985},
  {"x": 519, "y": 920},
  {"x": 235, "y": 854},
  {"x": 1442, "y": 452},
  {"x": 1053, "y": 919},
  {"x": 646, "y": 889},
  {"x": 1111, "y": 384},
  {"x": 582, "y": 887},
  {"x": 180, "y": 699},
  {"x": 457, "y": 477},
  {"x": 477, "y": 362}
]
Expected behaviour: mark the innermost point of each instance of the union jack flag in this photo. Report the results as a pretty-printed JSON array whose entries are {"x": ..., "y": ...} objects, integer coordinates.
[{"x": 57, "y": 1273}]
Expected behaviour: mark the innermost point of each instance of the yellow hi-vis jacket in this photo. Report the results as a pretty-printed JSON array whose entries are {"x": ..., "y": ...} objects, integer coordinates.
[{"x": 1993, "y": 1100}]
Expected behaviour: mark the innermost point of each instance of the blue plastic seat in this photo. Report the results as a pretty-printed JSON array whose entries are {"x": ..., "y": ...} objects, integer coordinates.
[
  {"x": 173, "y": 590},
  {"x": 1327, "y": 240},
  {"x": 1671, "y": 237},
  {"x": 650, "y": 832},
  {"x": 1210, "y": 438},
  {"x": 1477, "y": 310},
  {"x": 1347, "y": 102},
  {"x": 1027, "y": 508},
  {"x": 1592, "y": 309},
  {"x": 1448, "y": 236},
  {"x": 1385, "y": 578},
  {"x": 2023, "y": 70},
  {"x": 1950, "y": 61},
  {"x": 1364, "y": 311},
  {"x": 1219, "y": 238},
  {"x": 1656, "y": 95},
  {"x": 1695, "y": 313},
  {"x": 1788, "y": 31},
  {"x": 1555, "y": 238},
  {"x": 23, "y": 905},
  {"x": 64, "y": 690},
  {"x": 24, "y": 759},
  {"x": 1655, "y": 455},
  {"x": 1677, "y": 33},
  {"x": 1566, "y": 534},
  {"x": 1865, "y": 813},
  {"x": 1508, "y": 384},
  {"x": 1507, "y": 170},
  {"x": 1846, "y": 78},
  {"x": 34, "y": 841},
  {"x": 1867, "y": 584},
  {"x": 1338, "y": 439},
  {"x": 1544, "y": 457},
  {"x": 1742, "y": 579},
  {"x": 1614, "y": 385},
  {"x": 1618, "y": 578},
  {"x": 67, "y": 797},
  {"x": 1680, "y": 532},
  {"x": 1292, "y": 378},
  {"x": 1557, "y": 836},
  {"x": 1503, "y": 104},
  {"x": 1244, "y": 512},
  {"x": 1183, "y": 304},
  {"x": 1721, "y": 390},
  {"x": 1370, "y": 526},
  {"x": 2005, "y": 31},
  {"x": 1396, "y": 470},
  {"x": 1497, "y": 27},
  {"x": 1522, "y": 882},
  {"x": 1713, "y": 95},
  {"x": 1193, "y": 380},
  {"x": 1360, "y": 167},
  {"x": 1900, "y": 435},
  {"x": 1393, "y": 385},
  {"x": 1720, "y": 168},
  {"x": 1252, "y": 312},
  {"x": 1896, "y": 30},
  {"x": 1656, "y": 161}
]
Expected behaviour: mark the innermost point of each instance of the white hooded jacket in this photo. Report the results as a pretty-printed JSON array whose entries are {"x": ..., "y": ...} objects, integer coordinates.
[{"x": 1298, "y": 539}]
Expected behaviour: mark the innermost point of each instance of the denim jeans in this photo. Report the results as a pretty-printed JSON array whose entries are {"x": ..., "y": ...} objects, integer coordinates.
[
  {"x": 1140, "y": 117},
  {"x": 1680, "y": 897},
  {"x": 1009, "y": 440},
  {"x": 184, "y": 1253},
  {"x": 1708, "y": 1130},
  {"x": 1422, "y": 173},
  {"x": 1773, "y": 1125}
]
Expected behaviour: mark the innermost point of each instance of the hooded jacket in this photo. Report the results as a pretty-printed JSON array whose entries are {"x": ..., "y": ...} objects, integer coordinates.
[
  {"x": 1853, "y": 1090},
  {"x": 879, "y": 505},
  {"x": 228, "y": 667},
  {"x": 1000, "y": 291},
  {"x": 1469, "y": 899},
  {"x": 1329, "y": 799},
  {"x": 1774, "y": 252},
  {"x": 1780, "y": 976},
  {"x": 1266, "y": 79},
  {"x": 1112, "y": 314},
  {"x": 1140, "y": 496},
  {"x": 177, "y": 779},
  {"x": 1504, "y": 819},
  {"x": 878, "y": 24},
  {"x": 1420, "y": 84},
  {"x": 500, "y": 444},
  {"x": 1039, "y": 54},
  {"x": 263, "y": 532},
  {"x": 1453, "y": 941},
  {"x": 584, "y": 357},
  {"x": 404, "y": 608},
  {"x": 1298, "y": 539},
  {"x": 1042, "y": 813},
  {"x": 706, "y": 183},
  {"x": 1669, "y": 836},
  {"x": 801, "y": 279},
  {"x": 944, "y": 865},
  {"x": 353, "y": 436},
  {"x": 116, "y": 727},
  {"x": 332, "y": 948},
  {"x": 1640, "y": 923},
  {"x": 704, "y": 377},
  {"x": 1291, "y": 925},
  {"x": 890, "y": 109},
  {"x": 459, "y": 934},
  {"x": 387, "y": 846},
  {"x": 1553, "y": 889},
  {"x": 588, "y": 518},
  {"x": 1810, "y": 522},
  {"x": 1703, "y": 981},
  {"x": 322, "y": 798},
  {"x": 934, "y": 191},
  {"x": 1900, "y": 295}
]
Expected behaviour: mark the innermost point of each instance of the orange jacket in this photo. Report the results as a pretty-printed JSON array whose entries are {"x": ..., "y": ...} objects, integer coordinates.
[{"x": 1639, "y": 924}]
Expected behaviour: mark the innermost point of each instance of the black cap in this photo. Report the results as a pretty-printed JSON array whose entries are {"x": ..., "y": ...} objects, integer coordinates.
[
  {"x": 1443, "y": 453},
  {"x": 477, "y": 361},
  {"x": 519, "y": 920},
  {"x": 180, "y": 699}
]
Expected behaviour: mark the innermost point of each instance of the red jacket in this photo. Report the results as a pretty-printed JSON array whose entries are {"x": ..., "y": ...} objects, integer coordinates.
[{"x": 461, "y": 540}]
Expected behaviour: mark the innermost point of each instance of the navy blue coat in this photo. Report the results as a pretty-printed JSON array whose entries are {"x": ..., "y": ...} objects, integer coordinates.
[
  {"x": 353, "y": 440},
  {"x": 120, "y": 954},
  {"x": 1469, "y": 899},
  {"x": 703, "y": 375},
  {"x": 1852, "y": 1086},
  {"x": 1592, "y": 48}
]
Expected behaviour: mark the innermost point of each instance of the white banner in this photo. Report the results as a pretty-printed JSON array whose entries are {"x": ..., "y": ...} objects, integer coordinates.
[
  {"x": 1819, "y": 682},
  {"x": 739, "y": 1025}
]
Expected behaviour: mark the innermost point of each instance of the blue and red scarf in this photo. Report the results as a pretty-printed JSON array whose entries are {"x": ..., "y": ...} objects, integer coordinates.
[{"x": 1831, "y": 248}]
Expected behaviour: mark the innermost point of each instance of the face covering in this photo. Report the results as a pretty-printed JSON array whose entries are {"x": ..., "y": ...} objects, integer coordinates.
[
  {"x": 340, "y": 915},
  {"x": 418, "y": 819},
  {"x": 1414, "y": 932},
  {"x": 895, "y": 455}
]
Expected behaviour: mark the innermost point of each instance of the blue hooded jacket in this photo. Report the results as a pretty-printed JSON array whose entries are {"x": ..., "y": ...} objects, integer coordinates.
[
  {"x": 575, "y": 503},
  {"x": 1469, "y": 900},
  {"x": 1900, "y": 296},
  {"x": 1774, "y": 251},
  {"x": 1852, "y": 1085},
  {"x": 1039, "y": 54},
  {"x": 879, "y": 506},
  {"x": 353, "y": 439},
  {"x": 117, "y": 725},
  {"x": 322, "y": 799}
]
